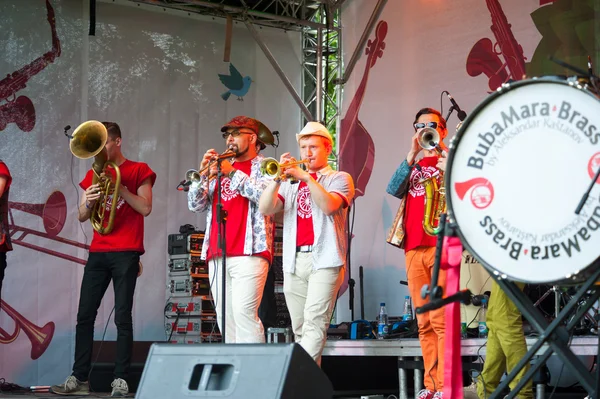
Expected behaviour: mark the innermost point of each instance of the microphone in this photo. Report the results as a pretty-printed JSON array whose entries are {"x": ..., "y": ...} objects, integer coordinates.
[
  {"x": 477, "y": 300},
  {"x": 184, "y": 185},
  {"x": 460, "y": 113},
  {"x": 67, "y": 128}
]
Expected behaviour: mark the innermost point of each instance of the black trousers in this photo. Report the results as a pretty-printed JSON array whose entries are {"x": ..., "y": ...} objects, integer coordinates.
[
  {"x": 2, "y": 267},
  {"x": 101, "y": 267}
]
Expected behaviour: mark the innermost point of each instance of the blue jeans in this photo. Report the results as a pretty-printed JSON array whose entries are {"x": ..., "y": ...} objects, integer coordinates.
[{"x": 101, "y": 267}]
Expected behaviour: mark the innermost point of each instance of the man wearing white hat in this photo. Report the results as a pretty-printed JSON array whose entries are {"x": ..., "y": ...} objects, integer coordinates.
[{"x": 314, "y": 235}]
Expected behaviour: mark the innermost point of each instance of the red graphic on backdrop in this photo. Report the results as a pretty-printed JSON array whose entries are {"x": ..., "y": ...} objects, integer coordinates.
[
  {"x": 499, "y": 61},
  {"x": 593, "y": 166},
  {"x": 53, "y": 213},
  {"x": 482, "y": 191},
  {"x": 20, "y": 110},
  {"x": 40, "y": 337},
  {"x": 357, "y": 150}
]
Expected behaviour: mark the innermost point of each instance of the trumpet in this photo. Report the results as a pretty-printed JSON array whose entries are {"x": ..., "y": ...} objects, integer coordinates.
[
  {"x": 273, "y": 169},
  {"x": 194, "y": 176}
]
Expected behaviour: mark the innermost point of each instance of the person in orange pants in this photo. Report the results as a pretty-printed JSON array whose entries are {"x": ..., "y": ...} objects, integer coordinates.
[{"x": 419, "y": 247}]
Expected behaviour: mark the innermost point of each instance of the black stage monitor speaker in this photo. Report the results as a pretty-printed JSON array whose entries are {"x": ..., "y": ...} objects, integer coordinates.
[{"x": 254, "y": 371}]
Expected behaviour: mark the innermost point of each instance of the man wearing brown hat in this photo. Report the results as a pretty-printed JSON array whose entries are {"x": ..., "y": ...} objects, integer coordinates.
[
  {"x": 314, "y": 235},
  {"x": 249, "y": 234}
]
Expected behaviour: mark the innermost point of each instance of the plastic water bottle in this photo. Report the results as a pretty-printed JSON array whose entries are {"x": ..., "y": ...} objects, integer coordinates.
[
  {"x": 382, "y": 327},
  {"x": 463, "y": 330},
  {"x": 483, "y": 330},
  {"x": 407, "y": 315}
]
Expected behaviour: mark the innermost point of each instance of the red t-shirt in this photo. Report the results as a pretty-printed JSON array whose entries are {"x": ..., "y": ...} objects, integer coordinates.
[
  {"x": 5, "y": 244},
  {"x": 128, "y": 231},
  {"x": 415, "y": 206},
  {"x": 305, "y": 234},
  {"x": 236, "y": 207}
]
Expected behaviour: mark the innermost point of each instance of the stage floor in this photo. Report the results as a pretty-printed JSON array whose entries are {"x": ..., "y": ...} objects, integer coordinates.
[
  {"x": 581, "y": 345},
  {"x": 107, "y": 395},
  {"x": 338, "y": 349}
]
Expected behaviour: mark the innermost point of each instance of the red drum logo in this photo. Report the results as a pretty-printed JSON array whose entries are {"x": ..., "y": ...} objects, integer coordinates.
[
  {"x": 593, "y": 166},
  {"x": 482, "y": 191}
]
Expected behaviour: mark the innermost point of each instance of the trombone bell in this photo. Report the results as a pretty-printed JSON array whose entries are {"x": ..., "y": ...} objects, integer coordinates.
[{"x": 429, "y": 139}]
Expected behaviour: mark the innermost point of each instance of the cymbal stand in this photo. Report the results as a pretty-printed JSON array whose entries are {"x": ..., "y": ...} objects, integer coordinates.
[{"x": 563, "y": 296}]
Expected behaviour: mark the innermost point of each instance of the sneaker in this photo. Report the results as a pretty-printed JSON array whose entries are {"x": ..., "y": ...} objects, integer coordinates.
[
  {"x": 470, "y": 392},
  {"x": 425, "y": 394},
  {"x": 438, "y": 395},
  {"x": 119, "y": 388},
  {"x": 71, "y": 387}
]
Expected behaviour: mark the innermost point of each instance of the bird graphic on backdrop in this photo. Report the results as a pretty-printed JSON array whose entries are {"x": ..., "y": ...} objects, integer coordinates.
[{"x": 236, "y": 84}]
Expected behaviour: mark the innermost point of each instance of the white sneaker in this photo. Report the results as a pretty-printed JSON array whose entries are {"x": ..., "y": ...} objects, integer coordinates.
[
  {"x": 470, "y": 392},
  {"x": 119, "y": 388},
  {"x": 71, "y": 387}
]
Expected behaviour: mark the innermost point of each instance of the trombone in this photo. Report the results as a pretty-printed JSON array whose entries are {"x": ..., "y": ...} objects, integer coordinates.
[
  {"x": 429, "y": 139},
  {"x": 273, "y": 169},
  {"x": 435, "y": 194}
]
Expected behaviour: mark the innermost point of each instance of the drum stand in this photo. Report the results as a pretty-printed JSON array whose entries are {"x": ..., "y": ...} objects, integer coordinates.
[{"x": 555, "y": 333}]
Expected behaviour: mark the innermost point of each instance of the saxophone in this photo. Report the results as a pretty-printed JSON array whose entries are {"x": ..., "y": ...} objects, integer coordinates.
[{"x": 435, "y": 203}]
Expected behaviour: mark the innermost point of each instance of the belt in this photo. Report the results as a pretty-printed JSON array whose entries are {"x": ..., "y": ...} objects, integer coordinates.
[{"x": 304, "y": 248}]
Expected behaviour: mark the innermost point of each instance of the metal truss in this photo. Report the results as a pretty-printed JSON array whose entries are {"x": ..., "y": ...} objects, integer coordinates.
[
  {"x": 319, "y": 21},
  {"x": 322, "y": 66},
  {"x": 284, "y": 14}
]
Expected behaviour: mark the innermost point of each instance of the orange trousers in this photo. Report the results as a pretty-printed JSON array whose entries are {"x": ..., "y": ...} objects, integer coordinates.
[{"x": 419, "y": 268}]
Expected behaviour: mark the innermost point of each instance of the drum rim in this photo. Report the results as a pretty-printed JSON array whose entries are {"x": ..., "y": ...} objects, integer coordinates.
[{"x": 505, "y": 88}]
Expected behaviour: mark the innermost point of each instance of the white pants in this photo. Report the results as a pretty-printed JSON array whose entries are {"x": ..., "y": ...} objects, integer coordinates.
[
  {"x": 310, "y": 296},
  {"x": 245, "y": 282}
]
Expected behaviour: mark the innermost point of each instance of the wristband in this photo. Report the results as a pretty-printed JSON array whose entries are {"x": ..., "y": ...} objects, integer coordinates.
[{"x": 86, "y": 205}]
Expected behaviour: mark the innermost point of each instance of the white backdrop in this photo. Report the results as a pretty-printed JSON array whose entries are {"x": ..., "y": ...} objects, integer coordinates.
[{"x": 155, "y": 74}]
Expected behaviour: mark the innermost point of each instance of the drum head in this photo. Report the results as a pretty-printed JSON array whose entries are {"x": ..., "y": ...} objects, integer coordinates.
[{"x": 517, "y": 170}]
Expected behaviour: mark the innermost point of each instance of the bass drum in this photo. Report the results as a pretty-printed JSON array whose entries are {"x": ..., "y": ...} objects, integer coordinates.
[{"x": 517, "y": 169}]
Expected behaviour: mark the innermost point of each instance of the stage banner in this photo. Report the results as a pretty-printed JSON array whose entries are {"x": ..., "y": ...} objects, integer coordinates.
[
  {"x": 416, "y": 51},
  {"x": 162, "y": 77}
]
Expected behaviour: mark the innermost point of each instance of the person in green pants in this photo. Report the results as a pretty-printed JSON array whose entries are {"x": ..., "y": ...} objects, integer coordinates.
[{"x": 505, "y": 347}]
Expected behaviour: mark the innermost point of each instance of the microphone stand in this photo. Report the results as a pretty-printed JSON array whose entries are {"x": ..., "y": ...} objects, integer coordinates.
[
  {"x": 449, "y": 112},
  {"x": 362, "y": 293},
  {"x": 221, "y": 228}
]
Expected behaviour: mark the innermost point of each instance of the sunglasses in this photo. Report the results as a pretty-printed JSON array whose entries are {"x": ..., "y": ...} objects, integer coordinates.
[
  {"x": 234, "y": 133},
  {"x": 422, "y": 125}
]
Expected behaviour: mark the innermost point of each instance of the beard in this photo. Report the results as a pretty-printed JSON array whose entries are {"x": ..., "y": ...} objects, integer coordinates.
[{"x": 238, "y": 151}]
